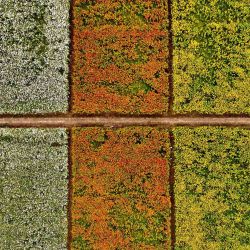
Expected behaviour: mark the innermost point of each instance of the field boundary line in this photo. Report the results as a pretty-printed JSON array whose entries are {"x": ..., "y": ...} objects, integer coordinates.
[
  {"x": 170, "y": 60},
  {"x": 70, "y": 190},
  {"x": 171, "y": 188},
  {"x": 71, "y": 55},
  {"x": 112, "y": 121},
  {"x": 119, "y": 115}
]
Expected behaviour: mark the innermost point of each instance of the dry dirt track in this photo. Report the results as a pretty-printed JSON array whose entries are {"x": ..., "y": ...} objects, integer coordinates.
[{"x": 68, "y": 122}]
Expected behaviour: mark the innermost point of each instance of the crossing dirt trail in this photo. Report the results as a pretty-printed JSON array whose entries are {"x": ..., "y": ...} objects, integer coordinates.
[{"x": 112, "y": 121}]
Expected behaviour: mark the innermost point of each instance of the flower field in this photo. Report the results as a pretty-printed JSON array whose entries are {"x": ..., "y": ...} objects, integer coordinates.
[
  {"x": 212, "y": 168},
  {"x": 33, "y": 188},
  {"x": 120, "y": 53},
  {"x": 120, "y": 189},
  {"x": 34, "y": 56},
  {"x": 120, "y": 59},
  {"x": 211, "y": 59},
  {"x": 124, "y": 125}
]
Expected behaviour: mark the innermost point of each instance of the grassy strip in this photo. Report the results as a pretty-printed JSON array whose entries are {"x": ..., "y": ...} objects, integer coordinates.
[
  {"x": 33, "y": 188},
  {"x": 120, "y": 56},
  {"x": 211, "y": 56},
  {"x": 34, "y": 53},
  {"x": 212, "y": 170},
  {"x": 120, "y": 189}
]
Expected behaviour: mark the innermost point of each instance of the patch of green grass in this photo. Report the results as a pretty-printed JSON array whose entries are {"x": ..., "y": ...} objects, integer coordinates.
[
  {"x": 140, "y": 86},
  {"x": 80, "y": 244}
]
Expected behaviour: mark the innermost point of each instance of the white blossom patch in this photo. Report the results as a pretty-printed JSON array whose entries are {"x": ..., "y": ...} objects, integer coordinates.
[
  {"x": 34, "y": 48},
  {"x": 33, "y": 189}
]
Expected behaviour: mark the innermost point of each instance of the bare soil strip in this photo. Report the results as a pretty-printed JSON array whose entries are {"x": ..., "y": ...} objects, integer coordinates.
[
  {"x": 69, "y": 216},
  {"x": 170, "y": 60},
  {"x": 69, "y": 122},
  {"x": 171, "y": 188}
]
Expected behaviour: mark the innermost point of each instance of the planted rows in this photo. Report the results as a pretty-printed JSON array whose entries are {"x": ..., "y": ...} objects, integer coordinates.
[
  {"x": 34, "y": 56},
  {"x": 120, "y": 188},
  {"x": 33, "y": 188},
  {"x": 211, "y": 56},
  {"x": 120, "y": 56}
]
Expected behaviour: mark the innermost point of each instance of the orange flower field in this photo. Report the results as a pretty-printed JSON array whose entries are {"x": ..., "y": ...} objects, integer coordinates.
[
  {"x": 120, "y": 56},
  {"x": 120, "y": 196}
]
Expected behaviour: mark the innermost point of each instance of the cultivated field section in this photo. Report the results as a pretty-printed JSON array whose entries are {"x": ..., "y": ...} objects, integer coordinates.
[
  {"x": 211, "y": 56},
  {"x": 212, "y": 169},
  {"x": 120, "y": 57},
  {"x": 33, "y": 188},
  {"x": 124, "y": 125},
  {"x": 120, "y": 193},
  {"x": 34, "y": 54}
]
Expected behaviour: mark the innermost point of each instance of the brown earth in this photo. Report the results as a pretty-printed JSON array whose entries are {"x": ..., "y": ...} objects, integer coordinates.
[{"x": 74, "y": 121}]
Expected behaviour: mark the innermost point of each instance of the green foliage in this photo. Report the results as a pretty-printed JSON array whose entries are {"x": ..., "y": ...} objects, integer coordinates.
[
  {"x": 212, "y": 169},
  {"x": 211, "y": 56},
  {"x": 33, "y": 188},
  {"x": 139, "y": 86}
]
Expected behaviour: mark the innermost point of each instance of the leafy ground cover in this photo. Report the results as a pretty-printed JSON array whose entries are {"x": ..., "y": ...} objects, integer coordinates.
[
  {"x": 33, "y": 188},
  {"x": 212, "y": 169},
  {"x": 211, "y": 56},
  {"x": 120, "y": 56},
  {"x": 120, "y": 189},
  {"x": 34, "y": 54}
]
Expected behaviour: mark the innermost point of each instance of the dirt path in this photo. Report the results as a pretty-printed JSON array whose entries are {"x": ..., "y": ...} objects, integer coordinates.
[{"x": 68, "y": 122}]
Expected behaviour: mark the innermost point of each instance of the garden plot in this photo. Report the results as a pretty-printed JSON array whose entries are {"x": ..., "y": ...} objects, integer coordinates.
[
  {"x": 120, "y": 57},
  {"x": 212, "y": 168},
  {"x": 34, "y": 56},
  {"x": 211, "y": 56},
  {"x": 33, "y": 188},
  {"x": 120, "y": 196}
]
